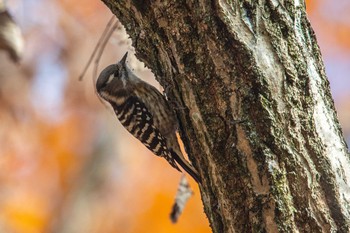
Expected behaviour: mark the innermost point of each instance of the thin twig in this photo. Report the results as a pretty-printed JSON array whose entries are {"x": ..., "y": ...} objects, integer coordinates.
[
  {"x": 102, "y": 38},
  {"x": 102, "y": 48}
]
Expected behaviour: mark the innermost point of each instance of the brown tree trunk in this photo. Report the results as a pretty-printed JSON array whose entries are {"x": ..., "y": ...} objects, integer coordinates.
[{"x": 248, "y": 84}]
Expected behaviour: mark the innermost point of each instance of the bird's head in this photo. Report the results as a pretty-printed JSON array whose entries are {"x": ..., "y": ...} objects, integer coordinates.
[{"x": 113, "y": 77}]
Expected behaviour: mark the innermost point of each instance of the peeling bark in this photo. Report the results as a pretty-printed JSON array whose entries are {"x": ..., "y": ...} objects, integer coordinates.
[{"x": 257, "y": 118}]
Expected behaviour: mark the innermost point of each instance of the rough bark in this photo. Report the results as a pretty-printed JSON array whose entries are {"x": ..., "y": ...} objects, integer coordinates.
[{"x": 257, "y": 118}]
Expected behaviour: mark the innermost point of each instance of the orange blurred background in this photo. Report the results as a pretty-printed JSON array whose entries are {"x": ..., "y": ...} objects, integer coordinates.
[{"x": 67, "y": 165}]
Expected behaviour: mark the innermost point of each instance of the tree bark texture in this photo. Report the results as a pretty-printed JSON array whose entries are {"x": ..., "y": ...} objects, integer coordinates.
[{"x": 248, "y": 84}]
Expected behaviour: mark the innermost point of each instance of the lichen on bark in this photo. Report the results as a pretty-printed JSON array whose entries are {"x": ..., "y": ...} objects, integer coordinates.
[{"x": 254, "y": 107}]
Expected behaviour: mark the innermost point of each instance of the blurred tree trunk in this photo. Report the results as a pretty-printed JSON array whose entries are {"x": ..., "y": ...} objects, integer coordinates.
[{"x": 249, "y": 87}]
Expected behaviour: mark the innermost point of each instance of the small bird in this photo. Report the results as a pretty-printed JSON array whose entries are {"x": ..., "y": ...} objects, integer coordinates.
[{"x": 144, "y": 112}]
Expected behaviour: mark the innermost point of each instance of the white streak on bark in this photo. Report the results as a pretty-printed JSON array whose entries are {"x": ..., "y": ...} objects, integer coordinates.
[
  {"x": 271, "y": 66},
  {"x": 297, "y": 3},
  {"x": 326, "y": 129},
  {"x": 330, "y": 137}
]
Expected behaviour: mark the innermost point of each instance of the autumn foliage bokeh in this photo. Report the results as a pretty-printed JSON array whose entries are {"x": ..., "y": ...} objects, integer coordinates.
[{"x": 67, "y": 165}]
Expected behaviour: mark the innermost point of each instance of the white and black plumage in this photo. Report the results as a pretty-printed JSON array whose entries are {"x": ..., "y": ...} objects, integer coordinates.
[{"x": 144, "y": 112}]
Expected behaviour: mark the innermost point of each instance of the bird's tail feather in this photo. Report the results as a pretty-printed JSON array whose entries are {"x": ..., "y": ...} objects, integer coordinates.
[{"x": 186, "y": 166}]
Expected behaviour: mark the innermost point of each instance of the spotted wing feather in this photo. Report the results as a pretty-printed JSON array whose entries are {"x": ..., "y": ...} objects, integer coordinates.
[{"x": 136, "y": 118}]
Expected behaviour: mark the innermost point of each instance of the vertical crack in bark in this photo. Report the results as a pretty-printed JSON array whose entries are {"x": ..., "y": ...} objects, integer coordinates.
[
  {"x": 269, "y": 217},
  {"x": 260, "y": 184},
  {"x": 213, "y": 171}
]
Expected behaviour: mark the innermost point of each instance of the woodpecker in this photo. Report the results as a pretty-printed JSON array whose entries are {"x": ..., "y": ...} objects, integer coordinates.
[{"x": 144, "y": 112}]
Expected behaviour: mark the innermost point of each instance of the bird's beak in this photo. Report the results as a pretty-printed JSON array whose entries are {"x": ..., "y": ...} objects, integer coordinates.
[{"x": 123, "y": 60}]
